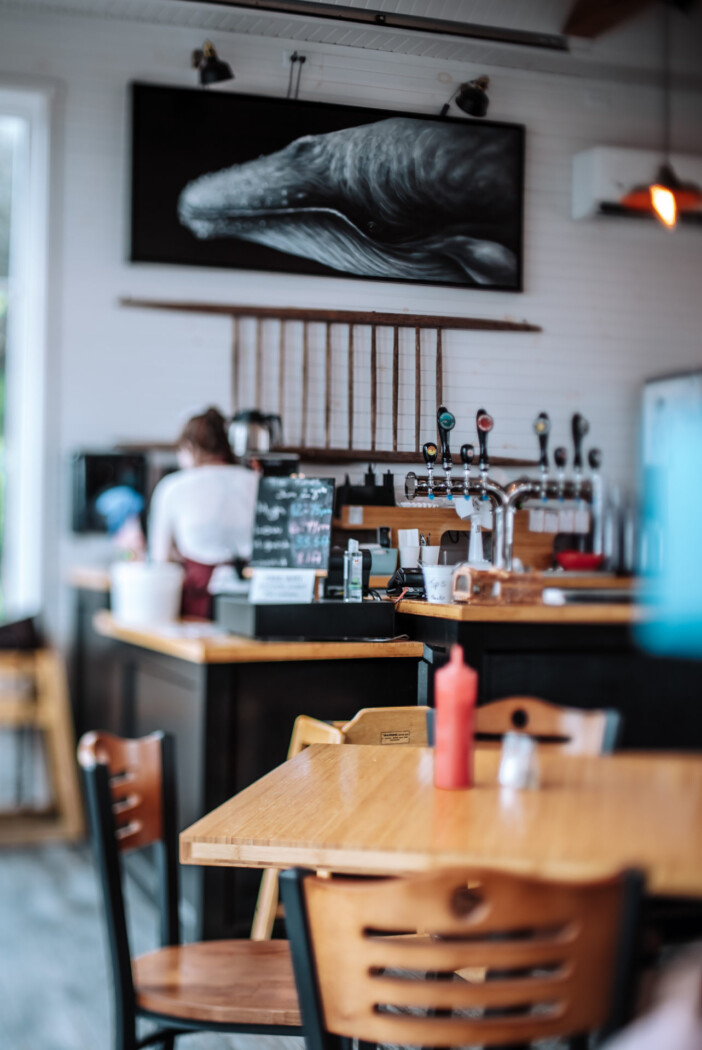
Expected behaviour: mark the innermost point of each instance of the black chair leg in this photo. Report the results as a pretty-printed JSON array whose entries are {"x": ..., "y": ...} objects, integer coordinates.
[{"x": 579, "y": 1042}]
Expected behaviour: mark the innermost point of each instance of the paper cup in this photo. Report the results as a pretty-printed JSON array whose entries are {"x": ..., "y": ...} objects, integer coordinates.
[
  {"x": 438, "y": 583},
  {"x": 430, "y": 555},
  {"x": 409, "y": 557}
]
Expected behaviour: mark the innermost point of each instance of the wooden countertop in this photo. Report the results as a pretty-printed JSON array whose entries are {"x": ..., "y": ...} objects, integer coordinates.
[
  {"x": 527, "y": 612},
  {"x": 89, "y": 578},
  {"x": 375, "y": 810},
  {"x": 233, "y": 649}
]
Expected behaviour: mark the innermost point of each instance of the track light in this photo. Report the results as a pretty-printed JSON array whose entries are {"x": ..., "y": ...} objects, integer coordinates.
[
  {"x": 471, "y": 97},
  {"x": 211, "y": 68}
]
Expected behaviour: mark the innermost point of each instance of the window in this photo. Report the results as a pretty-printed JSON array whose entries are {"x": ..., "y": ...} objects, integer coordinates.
[{"x": 24, "y": 159}]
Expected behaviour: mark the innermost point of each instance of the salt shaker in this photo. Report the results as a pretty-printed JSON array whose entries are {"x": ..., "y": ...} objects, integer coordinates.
[{"x": 519, "y": 764}]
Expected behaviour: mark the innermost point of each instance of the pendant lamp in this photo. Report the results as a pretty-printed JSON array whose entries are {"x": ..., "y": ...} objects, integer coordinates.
[{"x": 666, "y": 196}]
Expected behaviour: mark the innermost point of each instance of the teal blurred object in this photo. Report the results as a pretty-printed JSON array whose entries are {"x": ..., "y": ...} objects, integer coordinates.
[
  {"x": 117, "y": 505},
  {"x": 673, "y": 523}
]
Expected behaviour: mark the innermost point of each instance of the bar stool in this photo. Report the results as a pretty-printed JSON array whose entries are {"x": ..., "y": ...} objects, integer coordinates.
[{"x": 34, "y": 699}]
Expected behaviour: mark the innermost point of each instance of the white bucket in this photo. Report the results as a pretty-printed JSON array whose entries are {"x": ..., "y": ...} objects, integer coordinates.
[{"x": 146, "y": 593}]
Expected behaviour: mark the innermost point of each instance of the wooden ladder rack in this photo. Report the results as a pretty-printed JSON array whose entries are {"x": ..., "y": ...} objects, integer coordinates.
[{"x": 351, "y": 320}]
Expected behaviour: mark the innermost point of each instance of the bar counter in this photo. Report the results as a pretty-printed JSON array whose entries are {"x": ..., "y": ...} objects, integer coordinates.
[
  {"x": 525, "y": 612},
  {"x": 232, "y": 649}
]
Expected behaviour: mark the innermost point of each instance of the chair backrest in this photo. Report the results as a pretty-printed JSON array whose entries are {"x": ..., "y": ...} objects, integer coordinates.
[
  {"x": 388, "y": 725},
  {"x": 377, "y": 960},
  {"x": 131, "y": 794},
  {"x": 568, "y": 729},
  {"x": 308, "y": 730}
]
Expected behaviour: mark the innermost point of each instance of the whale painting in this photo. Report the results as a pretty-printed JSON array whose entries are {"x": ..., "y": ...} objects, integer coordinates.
[{"x": 312, "y": 188}]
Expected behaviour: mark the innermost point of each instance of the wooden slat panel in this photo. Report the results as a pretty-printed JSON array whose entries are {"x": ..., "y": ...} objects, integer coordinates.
[
  {"x": 259, "y": 363},
  {"x": 281, "y": 368},
  {"x": 305, "y": 378},
  {"x": 373, "y": 384},
  {"x": 439, "y": 368},
  {"x": 395, "y": 383},
  {"x": 417, "y": 387},
  {"x": 236, "y": 366},
  {"x": 327, "y": 385},
  {"x": 350, "y": 385}
]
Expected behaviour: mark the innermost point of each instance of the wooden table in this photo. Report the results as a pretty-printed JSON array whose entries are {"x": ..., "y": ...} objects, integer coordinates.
[{"x": 374, "y": 810}]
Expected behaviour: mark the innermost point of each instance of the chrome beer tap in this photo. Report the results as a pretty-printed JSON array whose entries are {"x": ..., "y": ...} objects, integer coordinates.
[
  {"x": 542, "y": 427},
  {"x": 594, "y": 459},
  {"x": 484, "y": 423},
  {"x": 560, "y": 458},
  {"x": 467, "y": 456},
  {"x": 445, "y": 422},
  {"x": 580, "y": 428},
  {"x": 430, "y": 452}
]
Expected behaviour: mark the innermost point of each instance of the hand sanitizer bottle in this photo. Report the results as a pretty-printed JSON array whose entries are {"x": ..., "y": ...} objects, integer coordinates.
[{"x": 353, "y": 573}]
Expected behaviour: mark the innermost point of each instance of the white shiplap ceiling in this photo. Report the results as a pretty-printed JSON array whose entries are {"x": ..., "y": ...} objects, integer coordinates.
[{"x": 630, "y": 53}]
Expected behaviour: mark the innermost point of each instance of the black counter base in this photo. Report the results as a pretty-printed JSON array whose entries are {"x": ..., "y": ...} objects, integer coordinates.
[{"x": 327, "y": 620}]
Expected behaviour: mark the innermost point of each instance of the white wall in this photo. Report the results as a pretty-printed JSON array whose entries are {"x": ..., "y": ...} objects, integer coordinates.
[{"x": 617, "y": 301}]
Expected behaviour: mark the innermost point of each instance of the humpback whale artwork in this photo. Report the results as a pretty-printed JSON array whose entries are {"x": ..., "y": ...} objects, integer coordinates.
[{"x": 391, "y": 197}]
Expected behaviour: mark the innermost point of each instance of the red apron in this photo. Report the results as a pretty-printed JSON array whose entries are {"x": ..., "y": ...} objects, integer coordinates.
[{"x": 197, "y": 600}]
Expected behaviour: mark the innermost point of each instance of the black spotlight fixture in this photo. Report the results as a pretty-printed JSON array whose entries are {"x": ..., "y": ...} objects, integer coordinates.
[
  {"x": 211, "y": 69},
  {"x": 471, "y": 97}
]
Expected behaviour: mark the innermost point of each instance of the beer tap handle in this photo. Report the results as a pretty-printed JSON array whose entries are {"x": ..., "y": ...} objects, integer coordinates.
[
  {"x": 594, "y": 459},
  {"x": 484, "y": 422},
  {"x": 560, "y": 458},
  {"x": 445, "y": 422},
  {"x": 542, "y": 427},
  {"x": 467, "y": 456},
  {"x": 580, "y": 427},
  {"x": 430, "y": 452}
]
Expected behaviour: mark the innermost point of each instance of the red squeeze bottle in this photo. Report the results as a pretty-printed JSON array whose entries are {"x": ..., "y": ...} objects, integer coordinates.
[{"x": 455, "y": 694}]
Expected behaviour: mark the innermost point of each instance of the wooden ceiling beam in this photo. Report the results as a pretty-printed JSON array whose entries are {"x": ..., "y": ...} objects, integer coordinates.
[{"x": 592, "y": 18}]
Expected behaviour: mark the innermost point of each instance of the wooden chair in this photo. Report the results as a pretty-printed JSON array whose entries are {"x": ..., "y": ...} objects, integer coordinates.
[
  {"x": 371, "y": 725},
  {"x": 376, "y": 960},
  {"x": 221, "y": 986},
  {"x": 34, "y": 699},
  {"x": 306, "y": 731},
  {"x": 569, "y": 729},
  {"x": 387, "y": 725}
]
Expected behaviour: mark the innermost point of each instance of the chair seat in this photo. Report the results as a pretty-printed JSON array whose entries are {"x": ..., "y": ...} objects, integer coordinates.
[{"x": 226, "y": 982}]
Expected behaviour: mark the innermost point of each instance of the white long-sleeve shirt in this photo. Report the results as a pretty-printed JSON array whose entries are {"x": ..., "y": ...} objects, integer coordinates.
[{"x": 204, "y": 513}]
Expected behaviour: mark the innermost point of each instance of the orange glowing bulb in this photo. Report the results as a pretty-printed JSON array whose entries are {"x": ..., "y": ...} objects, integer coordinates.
[{"x": 664, "y": 205}]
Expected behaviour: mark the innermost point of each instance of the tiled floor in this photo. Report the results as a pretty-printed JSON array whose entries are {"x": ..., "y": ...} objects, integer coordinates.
[{"x": 54, "y": 987}]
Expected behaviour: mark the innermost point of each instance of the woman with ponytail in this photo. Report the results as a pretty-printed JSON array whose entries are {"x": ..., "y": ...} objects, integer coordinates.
[{"x": 202, "y": 516}]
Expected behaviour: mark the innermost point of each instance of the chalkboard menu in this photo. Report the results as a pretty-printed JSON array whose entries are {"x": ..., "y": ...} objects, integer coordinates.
[{"x": 293, "y": 523}]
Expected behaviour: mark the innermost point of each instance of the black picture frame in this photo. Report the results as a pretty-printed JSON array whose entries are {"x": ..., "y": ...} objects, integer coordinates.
[{"x": 476, "y": 228}]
